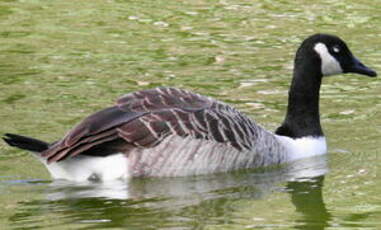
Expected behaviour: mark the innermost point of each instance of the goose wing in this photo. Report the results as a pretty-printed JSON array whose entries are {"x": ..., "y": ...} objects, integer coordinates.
[{"x": 145, "y": 118}]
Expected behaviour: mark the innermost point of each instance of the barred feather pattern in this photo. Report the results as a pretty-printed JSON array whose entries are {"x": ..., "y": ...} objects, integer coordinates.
[
  {"x": 172, "y": 132},
  {"x": 178, "y": 156}
]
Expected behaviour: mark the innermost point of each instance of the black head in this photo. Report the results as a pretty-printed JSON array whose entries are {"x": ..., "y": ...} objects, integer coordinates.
[{"x": 335, "y": 56}]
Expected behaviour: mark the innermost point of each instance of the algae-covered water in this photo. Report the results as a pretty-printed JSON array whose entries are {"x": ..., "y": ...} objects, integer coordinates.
[{"x": 62, "y": 60}]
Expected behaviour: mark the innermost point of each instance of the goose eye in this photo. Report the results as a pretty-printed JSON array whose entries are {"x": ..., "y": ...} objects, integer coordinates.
[{"x": 336, "y": 49}]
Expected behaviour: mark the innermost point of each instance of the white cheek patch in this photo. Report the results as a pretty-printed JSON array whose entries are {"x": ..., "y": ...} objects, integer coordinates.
[{"x": 329, "y": 64}]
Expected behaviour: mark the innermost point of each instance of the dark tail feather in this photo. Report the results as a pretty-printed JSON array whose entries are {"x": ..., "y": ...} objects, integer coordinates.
[{"x": 26, "y": 143}]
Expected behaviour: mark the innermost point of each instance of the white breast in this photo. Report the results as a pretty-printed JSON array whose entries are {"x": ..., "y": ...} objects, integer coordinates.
[{"x": 303, "y": 147}]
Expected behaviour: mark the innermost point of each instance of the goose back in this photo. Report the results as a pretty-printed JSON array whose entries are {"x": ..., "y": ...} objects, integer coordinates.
[{"x": 157, "y": 126}]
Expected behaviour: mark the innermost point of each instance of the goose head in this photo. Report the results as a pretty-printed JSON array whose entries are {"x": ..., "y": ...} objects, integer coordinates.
[
  {"x": 333, "y": 55},
  {"x": 318, "y": 56}
]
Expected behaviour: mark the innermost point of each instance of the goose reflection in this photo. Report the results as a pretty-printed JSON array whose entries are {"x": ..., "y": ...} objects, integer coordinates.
[
  {"x": 182, "y": 200},
  {"x": 308, "y": 200}
]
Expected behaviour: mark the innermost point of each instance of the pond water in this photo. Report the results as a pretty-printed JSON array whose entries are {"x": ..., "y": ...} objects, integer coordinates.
[{"x": 62, "y": 60}]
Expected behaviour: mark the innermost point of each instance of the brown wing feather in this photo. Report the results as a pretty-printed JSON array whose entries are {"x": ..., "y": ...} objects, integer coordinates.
[{"x": 144, "y": 118}]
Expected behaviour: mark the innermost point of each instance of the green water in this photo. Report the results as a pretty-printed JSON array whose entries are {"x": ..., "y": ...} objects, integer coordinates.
[{"x": 62, "y": 60}]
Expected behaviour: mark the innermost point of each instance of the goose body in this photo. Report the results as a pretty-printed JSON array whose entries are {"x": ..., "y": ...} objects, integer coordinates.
[{"x": 173, "y": 132}]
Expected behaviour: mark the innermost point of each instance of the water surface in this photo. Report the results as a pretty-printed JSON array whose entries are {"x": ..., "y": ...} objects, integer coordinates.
[{"x": 62, "y": 60}]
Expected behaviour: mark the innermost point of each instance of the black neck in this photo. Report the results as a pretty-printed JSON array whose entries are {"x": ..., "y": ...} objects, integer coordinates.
[{"x": 302, "y": 118}]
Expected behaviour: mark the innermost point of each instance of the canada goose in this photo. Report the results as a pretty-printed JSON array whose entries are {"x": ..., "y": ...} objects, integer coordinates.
[{"x": 173, "y": 132}]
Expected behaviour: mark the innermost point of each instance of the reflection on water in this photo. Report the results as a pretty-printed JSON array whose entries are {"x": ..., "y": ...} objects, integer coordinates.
[
  {"x": 308, "y": 200},
  {"x": 62, "y": 189},
  {"x": 211, "y": 198}
]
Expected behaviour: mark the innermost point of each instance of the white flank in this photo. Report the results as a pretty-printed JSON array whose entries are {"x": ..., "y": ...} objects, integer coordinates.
[
  {"x": 303, "y": 147},
  {"x": 83, "y": 168},
  {"x": 329, "y": 64}
]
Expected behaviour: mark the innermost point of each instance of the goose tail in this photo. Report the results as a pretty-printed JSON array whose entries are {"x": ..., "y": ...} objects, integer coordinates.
[{"x": 26, "y": 143}]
